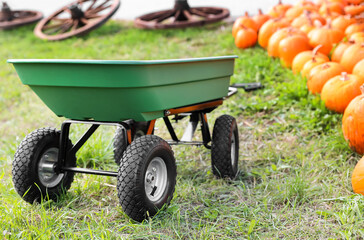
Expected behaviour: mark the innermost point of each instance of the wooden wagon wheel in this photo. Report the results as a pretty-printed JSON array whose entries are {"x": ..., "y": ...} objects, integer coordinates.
[
  {"x": 76, "y": 18},
  {"x": 182, "y": 16},
  {"x": 11, "y": 19}
]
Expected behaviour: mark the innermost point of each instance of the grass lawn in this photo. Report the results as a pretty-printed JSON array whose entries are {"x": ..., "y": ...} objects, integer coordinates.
[{"x": 295, "y": 166}]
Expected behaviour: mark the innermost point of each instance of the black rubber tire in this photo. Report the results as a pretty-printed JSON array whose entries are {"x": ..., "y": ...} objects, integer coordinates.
[
  {"x": 25, "y": 166},
  {"x": 131, "y": 176},
  {"x": 120, "y": 143},
  {"x": 225, "y": 129}
]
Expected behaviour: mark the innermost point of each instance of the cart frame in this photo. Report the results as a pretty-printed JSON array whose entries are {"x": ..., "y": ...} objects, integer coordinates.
[{"x": 196, "y": 112}]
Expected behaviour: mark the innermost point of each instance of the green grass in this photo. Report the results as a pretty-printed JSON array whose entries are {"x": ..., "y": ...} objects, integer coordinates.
[{"x": 295, "y": 166}]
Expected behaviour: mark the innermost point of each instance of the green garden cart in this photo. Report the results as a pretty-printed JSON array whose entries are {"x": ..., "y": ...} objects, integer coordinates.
[{"x": 131, "y": 95}]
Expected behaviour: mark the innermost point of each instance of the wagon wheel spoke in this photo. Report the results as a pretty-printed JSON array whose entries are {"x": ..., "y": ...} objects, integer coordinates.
[
  {"x": 209, "y": 10},
  {"x": 75, "y": 24},
  {"x": 20, "y": 15},
  {"x": 177, "y": 15},
  {"x": 91, "y": 16},
  {"x": 59, "y": 19},
  {"x": 155, "y": 16},
  {"x": 50, "y": 26},
  {"x": 66, "y": 27},
  {"x": 68, "y": 11},
  {"x": 199, "y": 13},
  {"x": 99, "y": 8},
  {"x": 164, "y": 16},
  {"x": 60, "y": 27},
  {"x": 188, "y": 15},
  {"x": 92, "y": 5},
  {"x": 84, "y": 21}
]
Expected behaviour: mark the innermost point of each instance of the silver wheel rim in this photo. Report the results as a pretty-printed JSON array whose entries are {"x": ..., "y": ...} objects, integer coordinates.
[
  {"x": 155, "y": 180},
  {"x": 233, "y": 151},
  {"x": 47, "y": 176}
]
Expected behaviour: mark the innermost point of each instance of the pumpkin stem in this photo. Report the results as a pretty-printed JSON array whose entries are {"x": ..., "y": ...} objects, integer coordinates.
[
  {"x": 362, "y": 89},
  {"x": 344, "y": 76},
  {"x": 317, "y": 23},
  {"x": 328, "y": 11},
  {"x": 328, "y": 24},
  {"x": 246, "y": 14},
  {"x": 260, "y": 11},
  {"x": 315, "y": 50},
  {"x": 325, "y": 66},
  {"x": 279, "y": 2},
  {"x": 306, "y": 13}
]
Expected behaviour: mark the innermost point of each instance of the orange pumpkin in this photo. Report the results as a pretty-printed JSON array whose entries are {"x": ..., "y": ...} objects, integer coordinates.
[
  {"x": 353, "y": 28},
  {"x": 260, "y": 18},
  {"x": 353, "y": 123},
  {"x": 359, "y": 69},
  {"x": 339, "y": 51},
  {"x": 325, "y": 36},
  {"x": 302, "y": 58},
  {"x": 268, "y": 28},
  {"x": 309, "y": 65},
  {"x": 305, "y": 3},
  {"x": 354, "y": 10},
  {"x": 354, "y": 2},
  {"x": 320, "y": 2},
  {"x": 357, "y": 37},
  {"x": 246, "y": 37},
  {"x": 351, "y": 56},
  {"x": 357, "y": 179},
  {"x": 342, "y": 22},
  {"x": 274, "y": 40},
  {"x": 306, "y": 28},
  {"x": 322, "y": 73},
  {"x": 338, "y": 92},
  {"x": 307, "y": 17},
  {"x": 331, "y": 7},
  {"x": 297, "y": 10},
  {"x": 279, "y": 10},
  {"x": 244, "y": 21},
  {"x": 291, "y": 46}
]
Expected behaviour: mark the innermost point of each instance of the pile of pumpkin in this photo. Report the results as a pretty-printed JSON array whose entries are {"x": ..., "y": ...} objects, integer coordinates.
[{"x": 324, "y": 42}]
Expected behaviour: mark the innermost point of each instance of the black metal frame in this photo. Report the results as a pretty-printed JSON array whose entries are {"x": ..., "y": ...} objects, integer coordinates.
[
  {"x": 197, "y": 114},
  {"x": 64, "y": 155}
]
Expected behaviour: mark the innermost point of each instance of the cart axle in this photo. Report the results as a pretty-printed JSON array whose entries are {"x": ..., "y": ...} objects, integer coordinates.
[{"x": 89, "y": 171}]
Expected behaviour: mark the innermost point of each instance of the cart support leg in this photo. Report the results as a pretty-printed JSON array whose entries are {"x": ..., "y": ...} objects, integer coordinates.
[
  {"x": 83, "y": 139},
  {"x": 170, "y": 129},
  {"x": 191, "y": 128},
  {"x": 206, "y": 136},
  {"x": 62, "y": 155}
]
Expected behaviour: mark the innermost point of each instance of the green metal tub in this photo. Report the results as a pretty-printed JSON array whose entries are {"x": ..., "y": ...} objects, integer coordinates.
[{"x": 114, "y": 91}]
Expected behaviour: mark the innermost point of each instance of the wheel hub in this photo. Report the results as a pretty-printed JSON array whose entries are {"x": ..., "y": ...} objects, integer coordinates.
[
  {"x": 155, "y": 179},
  {"x": 46, "y": 168},
  {"x": 5, "y": 13},
  {"x": 76, "y": 12}
]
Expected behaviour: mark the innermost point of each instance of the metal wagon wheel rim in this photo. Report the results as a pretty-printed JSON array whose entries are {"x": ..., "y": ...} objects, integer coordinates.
[
  {"x": 11, "y": 19},
  {"x": 182, "y": 17},
  {"x": 47, "y": 175},
  {"x": 233, "y": 150},
  {"x": 155, "y": 180},
  {"x": 76, "y": 18}
]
